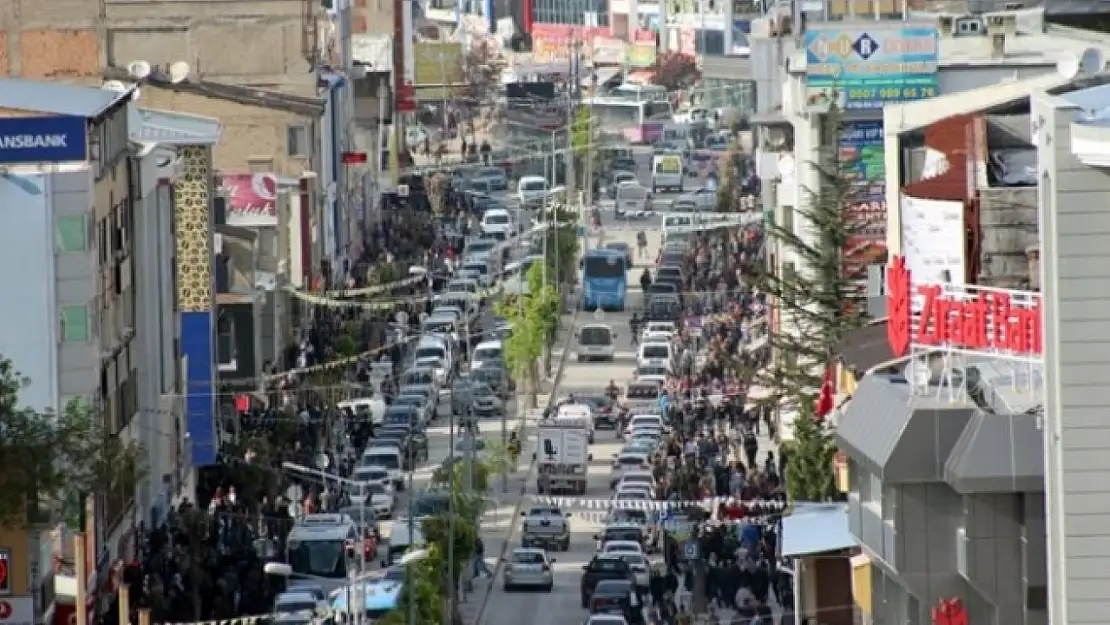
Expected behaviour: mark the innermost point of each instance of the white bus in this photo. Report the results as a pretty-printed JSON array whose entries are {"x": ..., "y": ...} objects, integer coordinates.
[
  {"x": 641, "y": 92},
  {"x": 639, "y": 121}
]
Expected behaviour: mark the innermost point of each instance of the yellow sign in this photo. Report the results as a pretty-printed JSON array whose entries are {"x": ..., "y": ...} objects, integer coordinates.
[
  {"x": 438, "y": 67},
  {"x": 641, "y": 55}
]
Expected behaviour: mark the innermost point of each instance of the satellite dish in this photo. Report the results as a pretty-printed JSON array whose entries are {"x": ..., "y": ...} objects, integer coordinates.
[
  {"x": 1068, "y": 66},
  {"x": 114, "y": 85},
  {"x": 1091, "y": 62},
  {"x": 138, "y": 69},
  {"x": 179, "y": 71}
]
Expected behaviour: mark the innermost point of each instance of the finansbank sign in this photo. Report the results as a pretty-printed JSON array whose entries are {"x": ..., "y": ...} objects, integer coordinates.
[{"x": 43, "y": 139}]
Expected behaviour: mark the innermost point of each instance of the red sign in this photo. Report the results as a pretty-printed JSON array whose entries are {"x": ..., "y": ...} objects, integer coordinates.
[
  {"x": 5, "y": 572},
  {"x": 406, "y": 98},
  {"x": 960, "y": 318},
  {"x": 5, "y": 610},
  {"x": 950, "y": 612},
  {"x": 251, "y": 199}
]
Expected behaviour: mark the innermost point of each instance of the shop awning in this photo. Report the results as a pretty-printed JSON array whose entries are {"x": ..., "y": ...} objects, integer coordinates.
[
  {"x": 900, "y": 436},
  {"x": 998, "y": 454},
  {"x": 811, "y": 530}
]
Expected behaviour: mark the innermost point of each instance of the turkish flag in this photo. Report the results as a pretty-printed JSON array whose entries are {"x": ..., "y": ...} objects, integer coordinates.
[{"x": 825, "y": 398}]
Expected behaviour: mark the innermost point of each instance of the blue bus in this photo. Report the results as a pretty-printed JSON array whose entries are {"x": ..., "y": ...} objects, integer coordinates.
[{"x": 604, "y": 280}]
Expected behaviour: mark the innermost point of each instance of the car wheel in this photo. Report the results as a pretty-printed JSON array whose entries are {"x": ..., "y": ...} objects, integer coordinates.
[
  {"x": 549, "y": 587},
  {"x": 566, "y": 545},
  {"x": 507, "y": 588},
  {"x": 585, "y": 601}
]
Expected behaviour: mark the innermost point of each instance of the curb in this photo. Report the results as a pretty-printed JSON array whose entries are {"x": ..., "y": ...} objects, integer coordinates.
[{"x": 499, "y": 567}]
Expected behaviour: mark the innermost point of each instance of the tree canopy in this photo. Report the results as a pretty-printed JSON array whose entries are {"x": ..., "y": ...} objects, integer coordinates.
[
  {"x": 54, "y": 460},
  {"x": 675, "y": 70}
]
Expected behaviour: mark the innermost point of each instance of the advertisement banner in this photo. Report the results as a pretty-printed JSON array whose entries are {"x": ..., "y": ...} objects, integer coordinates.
[
  {"x": 438, "y": 67},
  {"x": 933, "y": 240},
  {"x": 609, "y": 51},
  {"x": 870, "y": 65},
  {"x": 251, "y": 199},
  {"x": 552, "y": 43},
  {"x": 641, "y": 49},
  {"x": 43, "y": 139},
  {"x": 861, "y": 161}
]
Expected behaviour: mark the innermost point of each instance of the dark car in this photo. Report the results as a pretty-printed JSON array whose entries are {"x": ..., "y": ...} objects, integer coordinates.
[
  {"x": 613, "y": 596},
  {"x": 605, "y": 409},
  {"x": 623, "y": 164},
  {"x": 604, "y": 567},
  {"x": 413, "y": 443},
  {"x": 623, "y": 249}
]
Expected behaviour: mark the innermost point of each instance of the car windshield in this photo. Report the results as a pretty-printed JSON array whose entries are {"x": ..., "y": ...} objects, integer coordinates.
[
  {"x": 643, "y": 391},
  {"x": 320, "y": 558},
  {"x": 496, "y": 219},
  {"x": 628, "y": 516},
  {"x": 490, "y": 173},
  {"x": 430, "y": 504},
  {"x": 389, "y": 461},
  {"x": 632, "y": 192},
  {"x": 684, "y": 206},
  {"x": 633, "y": 559},
  {"x": 613, "y": 586},
  {"x": 395, "y": 574},
  {"x": 653, "y": 371},
  {"x": 656, "y": 351},
  {"x": 632, "y": 460},
  {"x": 534, "y": 185},
  {"x": 604, "y": 266},
  {"x": 612, "y": 534},
  {"x": 609, "y": 564},
  {"x": 295, "y": 606},
  {"x": 374, "y": 488},
  {"x": 358, "y": 513},
  {"x": 595, "y": 336},
  {"x": 527, "y": 557}
]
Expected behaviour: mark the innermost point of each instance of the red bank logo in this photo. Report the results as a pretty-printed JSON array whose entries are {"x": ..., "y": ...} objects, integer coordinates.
[{"x": 898, "y": 306}]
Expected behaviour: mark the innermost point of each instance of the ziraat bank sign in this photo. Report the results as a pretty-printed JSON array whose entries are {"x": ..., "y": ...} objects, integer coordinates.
[
  {"x": 1000, "y": 323},
  {"x": 58, "y": 139}
]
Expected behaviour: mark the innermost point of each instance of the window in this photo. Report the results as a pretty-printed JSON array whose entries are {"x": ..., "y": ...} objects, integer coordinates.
[
  {"x": 788, "y": 219},
  {"x": 297, "y": 141},
  {"x": 788, "y": 270},
  {"x": 75, "y": 324},
  {"x": 71, "y": 234}
]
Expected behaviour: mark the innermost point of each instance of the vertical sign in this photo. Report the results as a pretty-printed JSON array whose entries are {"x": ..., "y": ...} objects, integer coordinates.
[
  {"x": 5, "y": 572},
  {"x": 861, "y": 160},
  {"x": 869, "y": 65}
]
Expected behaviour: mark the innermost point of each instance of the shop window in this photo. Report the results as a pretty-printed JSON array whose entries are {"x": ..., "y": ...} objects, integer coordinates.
[{"x": 75, "y": 324}]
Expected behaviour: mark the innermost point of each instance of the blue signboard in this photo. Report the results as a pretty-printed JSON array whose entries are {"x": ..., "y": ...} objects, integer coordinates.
[
  {"x": 862, "y": 161},
  {"x": 690, "y": 549},
  {"x": 42, "y": 139},
  {"x": 867, "y": 66}
]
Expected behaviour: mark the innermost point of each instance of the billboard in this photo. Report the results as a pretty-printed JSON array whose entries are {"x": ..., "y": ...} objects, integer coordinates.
[
  {"x": 552, "y": 43},
  {"x": 860, "y": 158},
  {"x": 251, "y": 199},
  {"x": 641, "y": 48},
  {"x": 43, "y": 139},
  {"x": 436, "y": 66},
  {"x": 869, "y": 65},
  {"x": 933, "y": 239}
]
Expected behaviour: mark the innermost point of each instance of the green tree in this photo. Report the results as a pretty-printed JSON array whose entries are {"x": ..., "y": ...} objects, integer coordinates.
[
  {"x": 440, "y": 533},
  {"x": 54, "y": 461},
  {"x": 534, "y": 320},
  {"x": 562, "y": 244},
  {"x": 809, "y": 459},
  {"x": 728, "y": 186},
  {"x": 423, "y": 591},
  {"x": 438, "y": 187},
  {"x": 583, "y": 130},
  {"x": 817, "y": 299}
]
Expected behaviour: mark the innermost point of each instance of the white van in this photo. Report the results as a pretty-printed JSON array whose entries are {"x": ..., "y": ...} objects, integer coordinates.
[
  {"x": 388, "y": 458},
  {"x": 677, "y": 222},
  {"x": 666, "y": 171},
  {"x": 497, "y": 220},
  {"x": 655, "y": 93},
  {"x": 578, "y": 412},
  {"x": 654, "y": 355},
  {"x": 596, "y": 341},
  {"x": 486, "y": 351},
  {"x": 532, "y": 190},
  {"x": 374, "y": 407}
]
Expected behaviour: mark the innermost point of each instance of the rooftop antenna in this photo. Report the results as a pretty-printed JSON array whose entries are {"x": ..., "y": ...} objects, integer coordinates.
[
  {"x": 179, "y": 71},
  {"x": 138, "y": 69},
  {"x": 1091, "y": 62}
]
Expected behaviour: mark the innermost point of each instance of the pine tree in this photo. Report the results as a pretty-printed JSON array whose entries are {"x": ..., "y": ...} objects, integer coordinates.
[
  {"x": 809, "y": 461},
  {"x": 816, "y": 298}
]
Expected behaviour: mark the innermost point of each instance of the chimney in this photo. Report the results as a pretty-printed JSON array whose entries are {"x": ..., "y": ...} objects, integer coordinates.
[{"x": 998, "y": 45}]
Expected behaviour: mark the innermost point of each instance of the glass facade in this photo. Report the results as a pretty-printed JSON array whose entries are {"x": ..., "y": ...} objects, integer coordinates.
[
  {"x": 739, "y": 94},
  {"x": 575, "y": 12}
]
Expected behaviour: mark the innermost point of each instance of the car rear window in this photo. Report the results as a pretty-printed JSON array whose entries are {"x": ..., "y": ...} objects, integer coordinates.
[{"x": 610, "y": 565}]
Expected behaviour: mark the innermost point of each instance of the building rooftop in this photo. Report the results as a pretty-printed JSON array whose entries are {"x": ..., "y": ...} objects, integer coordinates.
[
  {"x": 249, "y": 96},
  {"x": 57, "y": 98}
]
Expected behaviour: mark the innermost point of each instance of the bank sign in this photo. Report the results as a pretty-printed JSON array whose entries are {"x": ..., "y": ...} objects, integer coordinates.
[
  {"x": 869, "y": 65},
  {"x": 43, "y": 139}
]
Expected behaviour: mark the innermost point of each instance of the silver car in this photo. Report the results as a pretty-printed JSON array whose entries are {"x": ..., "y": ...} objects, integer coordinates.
[{"x": 529, "y": 568}]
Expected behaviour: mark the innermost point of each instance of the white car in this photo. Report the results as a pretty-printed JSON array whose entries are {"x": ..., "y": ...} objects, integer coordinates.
[
  {"x": 657, "y": 354},
  {"x": 702, "y": 198},
  {"x": 659, "y": 326},
  {"x": 463, "y": 446},
  {"x": 657, "y": 374},
  {"x": 297, "y": 603},
  {"x": 532, "y": 190},
  {"x": 529, "y": 567},
  {"x": 646, "y": 431},
  {"x": 655, "y": 337},
  {"x": 644, "y": 420},
  {"x": 622, "y": 547},
  {"x": 371, "y": 475},
  {"x": 636, "y": 479},
  {"x": 380, "y": 498},
  {"x": 632, "y": 492},
  {"x": 435, "y": 364},
  {"x": 626, "y": 462},
  {"x": 606, "y": 619},
  {"x": 497, "y": 220}
]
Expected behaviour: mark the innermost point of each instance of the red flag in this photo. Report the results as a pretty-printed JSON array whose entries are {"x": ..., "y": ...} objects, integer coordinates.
[{"x": 825, "y": 399}]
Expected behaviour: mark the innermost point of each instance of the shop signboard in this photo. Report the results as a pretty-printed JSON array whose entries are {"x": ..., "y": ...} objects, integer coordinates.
[
  {"x": 17, "y": 611},
  {"x": 251, "y": 199},
  {"x": 641, "y": 48},
  {"x": 55, "y": 139},
  {"x": 553, "y": 43},
  {"x": 861, "y": 161},
  {"x": 438, "y": 67},
  {"x": 999, "y": 323},
  {"x": 869, "y": 64}
]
